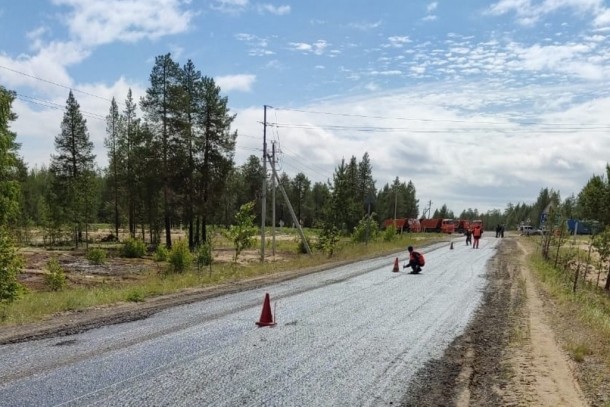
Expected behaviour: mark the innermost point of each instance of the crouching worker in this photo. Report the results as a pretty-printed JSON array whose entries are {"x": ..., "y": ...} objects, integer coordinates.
[{"x": 416, "y": 261}]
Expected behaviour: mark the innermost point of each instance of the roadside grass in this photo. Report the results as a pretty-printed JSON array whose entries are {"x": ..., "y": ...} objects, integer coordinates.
[
  {"x": 588, "y": 310},
  {"x": 39, "y": 305}
]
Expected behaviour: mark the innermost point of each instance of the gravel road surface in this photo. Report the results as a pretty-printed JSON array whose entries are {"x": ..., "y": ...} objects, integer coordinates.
[{"x": 353, "y": 335}]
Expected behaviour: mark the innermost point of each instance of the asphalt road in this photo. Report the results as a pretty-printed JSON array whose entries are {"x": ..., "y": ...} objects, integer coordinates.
[{"x": 354, "y": 335}]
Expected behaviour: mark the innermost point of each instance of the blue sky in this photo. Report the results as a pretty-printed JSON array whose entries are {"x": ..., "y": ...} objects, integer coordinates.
[{"x": 479, "y": 103}]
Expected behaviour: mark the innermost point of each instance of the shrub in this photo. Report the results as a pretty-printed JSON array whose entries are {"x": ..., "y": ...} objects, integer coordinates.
[
  {"x": 242, "y": 232},
  {"x": 366, "y": 230},
  {"x": 161, "y": 253},
  {"x": 134, "y": 248},
  {"x": 10, "y": 266},
  {"x": 56, "y": 278},
  {"x": 328, "y": 239},
  {"x": 389, "y": 234},
  {"x": 204, "y": 255},
  {"x": 96, "y": 256},
  {"x": 180, "y": 257}
]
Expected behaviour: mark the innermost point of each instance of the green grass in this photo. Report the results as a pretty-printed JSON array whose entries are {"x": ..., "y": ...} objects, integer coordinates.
[{"x": 36, "y": 306}]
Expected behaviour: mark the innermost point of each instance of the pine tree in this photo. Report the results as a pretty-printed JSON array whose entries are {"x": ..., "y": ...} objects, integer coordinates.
[
  {"x": 9, "y": 186},
  {"x": 191, "y": 104},
  {"x": 72, "y": 167},
  {"x": 215, "y": 151},
  {"x": 161, "y": 105},
  {"x": 128, "y": 142},
  {"x": 112, "y": 143},
  {"x": 10, "y": 261}
]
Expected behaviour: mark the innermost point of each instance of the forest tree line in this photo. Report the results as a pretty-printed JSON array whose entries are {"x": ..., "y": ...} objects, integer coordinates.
[{"x": 174, "y": 167}]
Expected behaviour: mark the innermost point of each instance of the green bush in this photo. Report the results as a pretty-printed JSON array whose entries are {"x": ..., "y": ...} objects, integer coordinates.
[
  {"x": 180, "y": 257},
  {"x": 10, "y": 267},
  {"x": 204, "y": 255},
  {"x": 134, "y": 248},
  {"x": 161, "y": 253},
  {"x": 328, "y": 239},
  {"x": 389, "y": 234},
  {"x": 56, "y": 278},
  {"x": 96, "y": 256},
  {"x": 366, "y": 230}
]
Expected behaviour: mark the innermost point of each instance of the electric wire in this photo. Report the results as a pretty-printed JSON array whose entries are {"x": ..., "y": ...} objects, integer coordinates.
[{"x": 55, "y": 83}]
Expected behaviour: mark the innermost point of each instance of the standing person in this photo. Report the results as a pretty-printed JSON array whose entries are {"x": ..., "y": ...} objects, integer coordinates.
[
  {"x": 416, "y": 261},
  {"x": 498, "y": 229},
  {"x": 468, "y": 234},
  {"x": 476, "y": 234}
]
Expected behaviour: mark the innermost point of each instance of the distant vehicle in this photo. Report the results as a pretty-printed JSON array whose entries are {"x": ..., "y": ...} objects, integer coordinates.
[
  {"x": 462, "y": 225},
  {"x": 437, "y": 225},
  {"x": 578, "y": 227},
  {"x": 403, "y": 225},
  {"x": 527, "y": 230}
]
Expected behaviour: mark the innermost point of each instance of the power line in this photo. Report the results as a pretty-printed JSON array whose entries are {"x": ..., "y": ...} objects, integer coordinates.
[
  {"x": 379, "y": 129},
  {"x": 429, "y": 120},
  {"x": 55, "y": 83},
  {"x": 54, "y": 105}
]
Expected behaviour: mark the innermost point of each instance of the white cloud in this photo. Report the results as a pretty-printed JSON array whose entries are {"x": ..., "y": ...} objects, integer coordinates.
[
  {"x": 317, "y": 47},
  {"x": 269, "y": 8},
  {"x": 529, "y": 13},
  {"x": 432, "y": 6},
  {"x": 398, "y": 41},
  {"x": 93, "y": 23},
  {"x": 229, "y": 83},
  {"x": 386, "y": 73},
  {"x": 365, "y": 26},
  {"x": 229, "y": 6}
]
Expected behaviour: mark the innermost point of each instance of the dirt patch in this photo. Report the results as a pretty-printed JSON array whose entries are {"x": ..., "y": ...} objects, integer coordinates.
[{"x": 508, "y": 355}]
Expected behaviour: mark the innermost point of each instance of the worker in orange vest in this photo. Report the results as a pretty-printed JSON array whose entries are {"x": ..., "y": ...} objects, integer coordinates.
[
  {"x": 416, "y": 261},
  {"x": 476, "y": 234}
]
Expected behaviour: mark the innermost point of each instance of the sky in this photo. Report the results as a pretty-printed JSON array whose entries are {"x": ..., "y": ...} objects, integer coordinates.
[{"x": 478, "y": 103}]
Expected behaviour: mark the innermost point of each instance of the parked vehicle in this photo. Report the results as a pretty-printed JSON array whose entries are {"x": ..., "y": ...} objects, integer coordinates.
[
  {"x": 462, "y": 225},
  {"x": 578, "y": 227},
  {"x": 437, "y": 225},
  {"x": 403, "y": 225},
  {"x": 528, "y": 230}
]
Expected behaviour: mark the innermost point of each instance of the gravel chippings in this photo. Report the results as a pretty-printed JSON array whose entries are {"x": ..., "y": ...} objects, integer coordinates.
[
  {"x": 471, "y": 370},
  {"x": 352, "y": 336}
]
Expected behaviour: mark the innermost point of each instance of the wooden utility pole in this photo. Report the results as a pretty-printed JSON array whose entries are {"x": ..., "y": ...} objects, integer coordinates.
[
  {"x": 273, "y": 200},
  {"x": 264, "y": 194}
]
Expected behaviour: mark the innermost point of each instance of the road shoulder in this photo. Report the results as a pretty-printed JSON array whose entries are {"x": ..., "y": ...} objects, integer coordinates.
[{"x": 508, "y": 355}]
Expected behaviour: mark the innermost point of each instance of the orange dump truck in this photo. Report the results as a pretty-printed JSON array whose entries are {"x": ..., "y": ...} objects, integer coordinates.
[
  {"x": 403, "y": 225},
  {"x": 437, "y": 225}
]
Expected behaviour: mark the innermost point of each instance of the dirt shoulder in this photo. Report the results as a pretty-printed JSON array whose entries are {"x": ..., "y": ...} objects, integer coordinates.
[{"x": 508, "y": 355}]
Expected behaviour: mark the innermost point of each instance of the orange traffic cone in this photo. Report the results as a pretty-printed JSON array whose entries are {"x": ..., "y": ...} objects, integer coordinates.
[
  {"x": 451, "y": 247},
  {"x": 396, "y": 269},
  {"x": 266, "y": 316}
]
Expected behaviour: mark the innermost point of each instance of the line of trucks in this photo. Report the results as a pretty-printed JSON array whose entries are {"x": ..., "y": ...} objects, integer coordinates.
[{"x": 435, "y": 225}]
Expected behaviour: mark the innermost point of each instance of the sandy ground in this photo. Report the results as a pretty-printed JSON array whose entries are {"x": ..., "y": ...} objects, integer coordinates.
[
  {"x": 543, "y": 374},
  {"x": 509, "y": 355}
]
